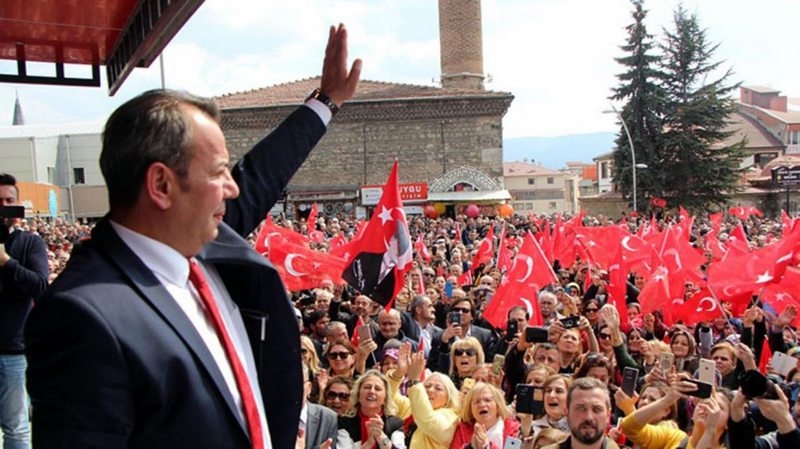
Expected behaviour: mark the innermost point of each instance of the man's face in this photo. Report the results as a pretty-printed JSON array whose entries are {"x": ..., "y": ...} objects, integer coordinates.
[
  {"x": 725, "y": 363},
  {"x": 198, "y": 205},
  {"x": 361, "y": 306},
  {"x": 323, "y": 302},
  {"x": 549, "y": 357},
  {"x": 547, "y": 305},
  {"x": 320, "y": 326},
  {"x": 466, "y": 313},
  {"x": 425, "y": 310},
  {"x": 588, "y": 415},
  {"x": 519, "y": 316},
  {"x": 389, "y": 326}
]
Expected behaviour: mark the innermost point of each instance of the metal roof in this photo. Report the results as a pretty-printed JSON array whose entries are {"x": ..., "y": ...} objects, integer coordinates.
[
  {"x": 118, "y": 34},
  {"x": 51, "y": 130}
]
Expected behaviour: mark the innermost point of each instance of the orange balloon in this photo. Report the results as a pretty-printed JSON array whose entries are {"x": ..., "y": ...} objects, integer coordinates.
[
  {"x": 431, "y": 211},
  {"x": 505, "y": 211}
]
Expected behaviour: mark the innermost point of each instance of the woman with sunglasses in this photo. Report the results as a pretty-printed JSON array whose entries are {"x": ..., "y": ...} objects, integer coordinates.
[
  {"x": 430, "y": 409},
  {"x": 555, "y": 405},
  {"x": 341, "y": 358},
  {"x": 465, "y": 356},
  {"x": 370, "y": 422},
  {"x": 336, "y": 394},
  {"x": 591, "y": 310},
  {"x": 485, "y": 420}
]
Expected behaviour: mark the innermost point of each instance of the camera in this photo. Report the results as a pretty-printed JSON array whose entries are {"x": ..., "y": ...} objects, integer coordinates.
[{"x": 571, "y": 321}]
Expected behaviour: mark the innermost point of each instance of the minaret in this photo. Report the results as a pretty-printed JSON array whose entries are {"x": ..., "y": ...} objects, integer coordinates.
[
  {"x": 18, "y": 118},
  {"x": 461, "y": 44}
]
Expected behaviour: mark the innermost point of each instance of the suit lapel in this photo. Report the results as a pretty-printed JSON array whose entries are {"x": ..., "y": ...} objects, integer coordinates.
[
  {"x": 312, "y": 426},
  {"x": 153, "y": 292}
]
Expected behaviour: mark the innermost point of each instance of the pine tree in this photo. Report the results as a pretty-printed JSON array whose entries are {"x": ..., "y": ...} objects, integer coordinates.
[
  {"x": 639, "y": 87},
  {"x": 699, "y": 168}
]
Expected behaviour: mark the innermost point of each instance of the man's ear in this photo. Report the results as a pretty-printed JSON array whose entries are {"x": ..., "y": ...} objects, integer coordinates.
[{"x": 160, "y": 185}]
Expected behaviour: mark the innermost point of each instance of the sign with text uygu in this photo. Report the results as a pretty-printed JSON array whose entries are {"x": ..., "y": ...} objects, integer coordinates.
[
  {"x": 786, "y": 176},
  {"x": 414, "y": 192}
]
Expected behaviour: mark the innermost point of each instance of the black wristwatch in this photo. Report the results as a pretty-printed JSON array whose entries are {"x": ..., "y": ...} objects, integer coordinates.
[{"x": 326, "y": 100}]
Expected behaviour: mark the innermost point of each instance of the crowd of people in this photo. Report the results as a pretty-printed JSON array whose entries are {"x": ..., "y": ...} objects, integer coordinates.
[{"x": 453, "y": 379}]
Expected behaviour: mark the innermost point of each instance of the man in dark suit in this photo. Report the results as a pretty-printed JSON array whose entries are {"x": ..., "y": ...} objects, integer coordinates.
[
  {"x": 318, "y": 423},
  {"x": 163, "y": 330}
]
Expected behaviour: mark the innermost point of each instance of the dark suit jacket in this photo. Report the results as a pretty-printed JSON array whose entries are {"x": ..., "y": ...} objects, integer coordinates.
[
  {"x": 323, "y": 423},
  {"x": 113, "y": 362}
]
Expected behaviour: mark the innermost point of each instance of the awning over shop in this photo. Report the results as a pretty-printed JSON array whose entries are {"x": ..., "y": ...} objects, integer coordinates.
[{"x": 471, "y": 196}]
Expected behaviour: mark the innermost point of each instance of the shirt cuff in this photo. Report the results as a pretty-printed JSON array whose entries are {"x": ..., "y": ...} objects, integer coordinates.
[{"x": 321, "y": 109}]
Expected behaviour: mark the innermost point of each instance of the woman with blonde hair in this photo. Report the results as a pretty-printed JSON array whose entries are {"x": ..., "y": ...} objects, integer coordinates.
[
  {"x": 466, "y": 355},
  {"x": 370, "y": 421},
  {"x": 485, "y": 420},
  {"x": 309, "y": 355},
  {"x": 430, "y": 410}
]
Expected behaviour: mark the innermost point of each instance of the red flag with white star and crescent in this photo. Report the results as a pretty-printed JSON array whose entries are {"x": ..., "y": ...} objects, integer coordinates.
[{"x": 381, "y": 256}]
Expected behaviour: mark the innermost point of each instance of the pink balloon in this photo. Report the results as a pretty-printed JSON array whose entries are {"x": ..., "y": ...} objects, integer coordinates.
[{"x": 472, "y": 211}]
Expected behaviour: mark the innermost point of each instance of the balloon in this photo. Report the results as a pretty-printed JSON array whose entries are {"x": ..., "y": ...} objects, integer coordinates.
[
  {"x": 472, "y": 211},
  {"x": 430, "y": 211},
  {"x": 505, "y": 211},
  {"x": 440, "y": 208}
]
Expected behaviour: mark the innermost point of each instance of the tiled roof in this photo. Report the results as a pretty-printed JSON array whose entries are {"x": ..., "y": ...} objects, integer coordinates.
[
  {"x": 295, "y": 92},
  {"x": 526, "y": 168},
  {"x": 757, "y": 135}
]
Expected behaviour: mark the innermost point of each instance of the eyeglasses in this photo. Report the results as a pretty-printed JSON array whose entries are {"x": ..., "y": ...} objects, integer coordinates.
[
  {"x": 303, "y": 351},
  {"x": 457, "y": 309},
  {"x": 603, "y": 336},
  {"x": 461, "y": 352},
  {"x": 591, "y": 310},
  {"x": 338, "y": 355},
  {"x": 331, "y": 395}
]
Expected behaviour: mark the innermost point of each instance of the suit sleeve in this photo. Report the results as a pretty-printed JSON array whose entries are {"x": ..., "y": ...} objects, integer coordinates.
[
  {"x": 264, "y": 172},
  {"x": 77, "y": 378}
]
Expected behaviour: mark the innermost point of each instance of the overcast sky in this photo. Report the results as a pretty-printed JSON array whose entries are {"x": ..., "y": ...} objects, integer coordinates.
[{"x": 555, "y": 56}]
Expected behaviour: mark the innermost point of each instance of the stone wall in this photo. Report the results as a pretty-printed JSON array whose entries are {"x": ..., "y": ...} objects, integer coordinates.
[{"x": 428, "y": 137}]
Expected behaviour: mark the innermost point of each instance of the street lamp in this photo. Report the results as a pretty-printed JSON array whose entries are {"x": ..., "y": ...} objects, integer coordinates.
[{"x": 634, "y": 165}]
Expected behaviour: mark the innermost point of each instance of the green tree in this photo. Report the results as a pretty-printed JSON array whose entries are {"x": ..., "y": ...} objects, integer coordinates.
[
  {"x": 699, "y": 163},
  {"x": 643, "y": 95}
]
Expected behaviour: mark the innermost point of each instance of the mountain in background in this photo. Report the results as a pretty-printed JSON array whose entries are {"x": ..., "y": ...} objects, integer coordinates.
[{"x": 554, "y": 152}]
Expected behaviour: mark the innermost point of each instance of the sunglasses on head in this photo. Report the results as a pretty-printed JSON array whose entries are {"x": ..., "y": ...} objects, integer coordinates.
[
  {"x": 331, "y": 395},
  {"x": 460, "y": 352},
  {"x": 338, "y": 355}
]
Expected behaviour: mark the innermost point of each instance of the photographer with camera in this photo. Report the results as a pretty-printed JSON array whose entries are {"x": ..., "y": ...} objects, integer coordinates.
[
  {"x": 23, "y": 279},
  {"x": 773, "y": 405}
]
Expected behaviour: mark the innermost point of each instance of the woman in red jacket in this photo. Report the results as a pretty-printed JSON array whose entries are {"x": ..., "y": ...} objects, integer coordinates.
[{"x": 485, "y": 420}]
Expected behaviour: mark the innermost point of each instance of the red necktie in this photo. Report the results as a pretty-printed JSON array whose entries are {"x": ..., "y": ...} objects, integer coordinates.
[{"x": 198, "y": 279}]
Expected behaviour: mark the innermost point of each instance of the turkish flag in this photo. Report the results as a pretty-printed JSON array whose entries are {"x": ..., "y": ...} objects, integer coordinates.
[
  {"x": 716, "y": 221},
  {"x": 679, "y": 256},
  {"x": 303, "y": 268},
  {"x": 531, "y": 266},
  {"x": 700, "y": 307},
  {"x": 744, "y": 212},
  {"x": 766, "y": 354},
  {"x": 564, "y": 242},
  {"x": 634, "y": 251},
  {"x": 503, "y": 252},
  {"x": 657, "y": 294},
  {"x": 600, "y": 243},
  {"x": 311, "y": 222},
  {"x": 422, "y": 249},
  {"x": 785, "y": 292},
  {"x": 277, "y": 235},
  {"x": 618, "y": 288},
  {"x": 485, "y": 251},
  {"x": 337, "y": 241},
  {"x": 381, "y": 257},
  {"x": 511, "y": 294}
]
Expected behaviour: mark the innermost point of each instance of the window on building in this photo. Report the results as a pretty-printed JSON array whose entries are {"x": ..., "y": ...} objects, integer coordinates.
[
  {"x": 550, "y": 180},
  {"x": 531, "y": 181},
  {"x": 604, "y": 170},
  {"x": 51, "y": 175},
  {"x": 78, "y": 176},
  {"x": 552, "y": 205}
]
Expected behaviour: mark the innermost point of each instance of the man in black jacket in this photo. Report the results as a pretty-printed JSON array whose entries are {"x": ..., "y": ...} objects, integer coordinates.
[{"x": 23, "y": 279}]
